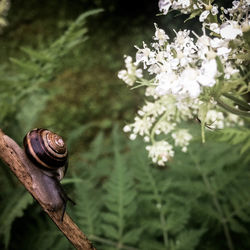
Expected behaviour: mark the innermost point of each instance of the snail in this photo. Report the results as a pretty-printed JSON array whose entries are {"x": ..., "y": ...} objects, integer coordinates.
[{"x": 48, "y": 152}]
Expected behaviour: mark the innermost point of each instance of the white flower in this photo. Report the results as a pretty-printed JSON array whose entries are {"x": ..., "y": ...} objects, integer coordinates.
[
  {"x": 223, "y": 51},
  {"x": 164, "y": 6},
  {"x": 141, "y": 126},
  {"x": 182, "y": 38},
  {"x": 154, "y": 69},
  {"x": 131, "y": 73},
  {"x": 181, "y": 5},
  {"x": 217, "y": 43},
  {"x": 150, "y": 91},
  {"x": 214, "y": 10},
  {"x": 203, "y": 44},
  {"x": 182, "y": 139},
  {"x": 160, "y": 35},
  {"x": 208, "y": 73},
  {"x": 229, "y": 70},
  {"x": 214, "y": 27},
  {"x": 144, "y": 55},
  {"x": 230, "y": 30},
  {"x": 232, "y": 120},
  {"x": 126, "y": 128},
  {"x": 165, "y": 127},
  {"x": 166, "y": 82},
  {"x": 204, "y": 15},
  {"x": 184, "y": 3},
  {"x": 215, "y": 119},
  {"x": 189, "y": 83},
  {"x": 187, "y": 108},
  {"x": 153, "y": 108},
  {"x": 160, "y": 152},
  {"x": 128, "y": 60},
  {"x": 238, "y": 7},
  {"x": 132, "y": 137},
  {"x": 181, "y": 73}
]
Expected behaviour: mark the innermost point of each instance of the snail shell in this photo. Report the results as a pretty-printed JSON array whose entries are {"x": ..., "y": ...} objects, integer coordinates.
[
  {"x": 48, "y": 152},
  {"x": 45, "y": 149}
]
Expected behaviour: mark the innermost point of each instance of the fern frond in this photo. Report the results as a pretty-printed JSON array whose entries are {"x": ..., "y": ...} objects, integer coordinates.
[
  {"x": 119, "y": 199},
  {"x": 43, "y": 65},
  {"x": 88, "y": 208},
  {"x": 39, "y": 66},
  {"x": 237, "y": 136},
  {"x": 15, "y": 203},
  {"x": 187, "y": 240}
]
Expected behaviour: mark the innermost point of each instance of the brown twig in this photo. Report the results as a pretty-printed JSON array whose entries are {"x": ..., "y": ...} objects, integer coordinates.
[{"x": 24, "y": 170}]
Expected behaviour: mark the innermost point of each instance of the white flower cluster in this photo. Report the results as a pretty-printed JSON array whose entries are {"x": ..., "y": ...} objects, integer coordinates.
[
  {"x": 131, "y": 73},
  {"x": 185, "y": 67},
  {"x": 218, "y": 120},
  {"x": 185, "y": 6},
  {"x": 186, "y": 75},
  {"x": 160, "y": 152},
  {"x": 160, "y": 118},
  {"x": 215, "y": 119},
  {"x": 182, "y": 138},
  {"x": 204, "y": 8}
]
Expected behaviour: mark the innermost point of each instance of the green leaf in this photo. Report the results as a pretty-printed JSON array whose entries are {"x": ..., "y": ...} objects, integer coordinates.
[
  {"x": 110, "y": 231},
  {"x": 15, "y": 204},
  {"x": 30, "y": 67},
  {"x": 237, "y": 227},
  {"x": 132, "y": 237},
  {"x": 188, "y": 240}
]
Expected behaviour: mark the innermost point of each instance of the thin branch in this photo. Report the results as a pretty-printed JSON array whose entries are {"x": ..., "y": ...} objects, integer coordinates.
[{"x": 26, "y": 172}]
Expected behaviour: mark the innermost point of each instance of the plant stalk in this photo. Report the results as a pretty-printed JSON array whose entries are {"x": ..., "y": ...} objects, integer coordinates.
[
  {"x": 162, "y": 215},
  {"x": 239, "y": 102},
  {"x": 216, "y": 203},
  {"x": 232, "y": 109}
]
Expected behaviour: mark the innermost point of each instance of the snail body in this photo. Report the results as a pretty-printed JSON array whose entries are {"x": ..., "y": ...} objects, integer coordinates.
[{"x": 48, "y": 152}]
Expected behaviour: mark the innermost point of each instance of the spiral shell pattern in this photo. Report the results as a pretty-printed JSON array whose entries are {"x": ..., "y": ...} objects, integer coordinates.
[{"x": 45, "y": 149}]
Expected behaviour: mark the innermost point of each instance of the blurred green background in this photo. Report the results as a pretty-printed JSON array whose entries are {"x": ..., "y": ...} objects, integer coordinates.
[{"x": 199, "y": 201}]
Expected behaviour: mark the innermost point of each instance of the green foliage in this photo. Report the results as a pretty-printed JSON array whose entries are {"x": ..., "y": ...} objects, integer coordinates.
[
  {"x": 226, "y": 185},
  {"x": 38, "y": 67},
  {"x": 87, "y": 211},
  {"x": 119, "y": 200},
  {"x": 22, "y": 97},
  {"x": 15, "y": 203},
  {"x": 42, "y": 66},
  {"x": 236, "y": 136},
  {"x": 123, "y": 202}
]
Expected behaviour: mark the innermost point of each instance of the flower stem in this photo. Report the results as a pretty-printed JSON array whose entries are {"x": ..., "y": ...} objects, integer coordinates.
[
  {"x": 232, "y": 109},
  {"x": 238, "y": 101},
  {"x": 215, "y": 201},
  {"x": 152, "y": 134},
  {"x": 161, "y": 211},
  {"x": 203, "y": 133}
]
